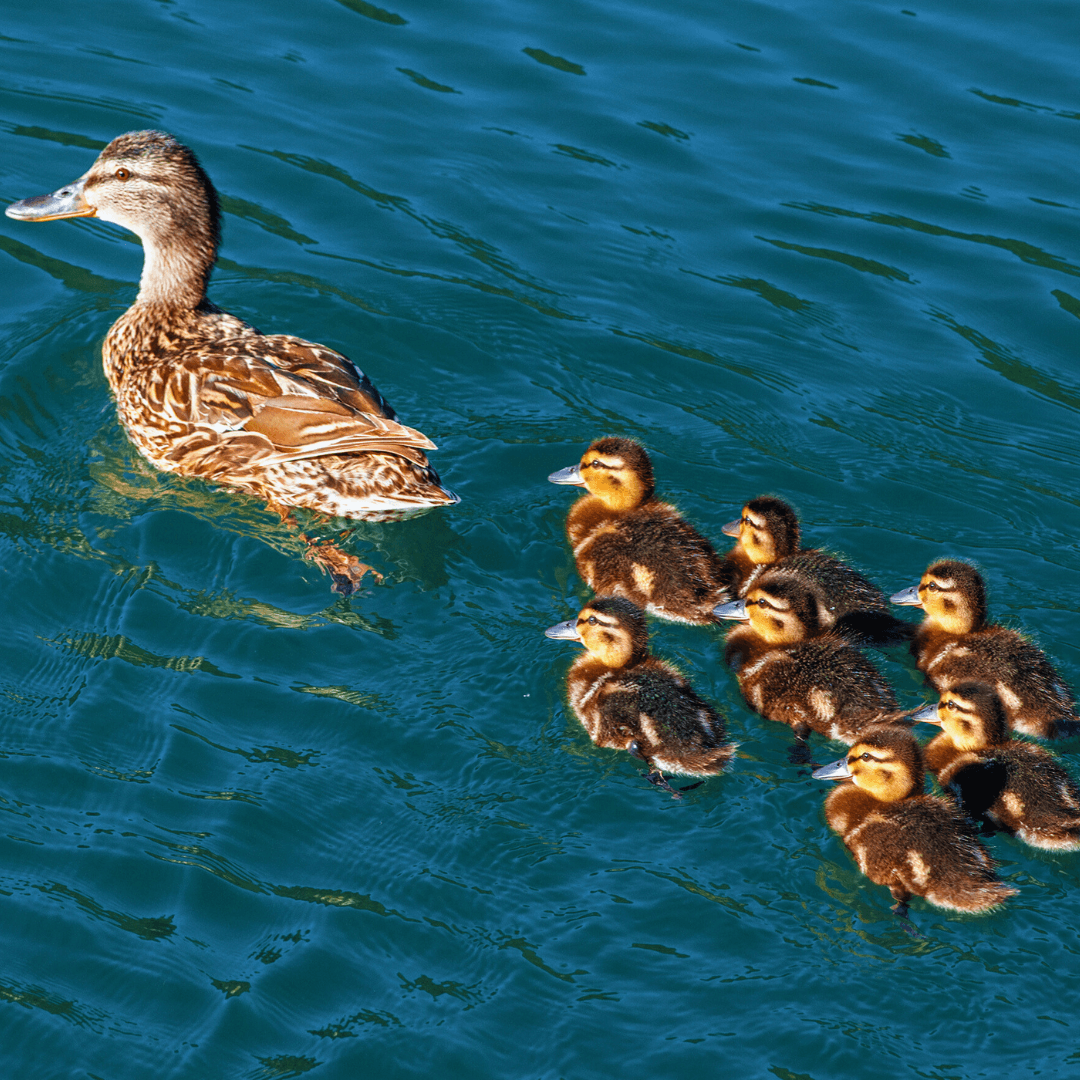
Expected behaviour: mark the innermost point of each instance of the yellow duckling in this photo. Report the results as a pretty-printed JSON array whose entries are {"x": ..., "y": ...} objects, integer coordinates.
[
  {"x": 629, "y": 700},
  {"x": 628, "y": 543},
  {"x": 1016, "y": 785},
  {"x": 203, "y": 394},
  {"x": 768, "y": 537},
  {"x": 915, "y": 844},
  {"x": 789, "y": 673},
  {"x": 954, "y": 644}
]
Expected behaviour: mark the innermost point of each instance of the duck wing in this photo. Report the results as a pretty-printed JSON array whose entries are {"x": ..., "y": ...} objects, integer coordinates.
[{"x": 299, "y": 399}]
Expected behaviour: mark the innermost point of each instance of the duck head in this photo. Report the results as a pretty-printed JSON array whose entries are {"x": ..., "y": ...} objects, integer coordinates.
[
  {"x": 616, "y": 471},
  {"x": 951, "y": 593},
  {"x": 767, "y": 531},
  {"x": 154, "y": 186},
  {"x": 972, "y": 715},
  {"x": 779, "y": 609},
  {"x": 885, "y": 762},
  {"x": 611, "y": 628}
]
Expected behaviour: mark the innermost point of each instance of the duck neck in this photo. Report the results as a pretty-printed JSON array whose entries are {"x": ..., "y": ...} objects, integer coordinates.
[{"x": 176, "y": 268}]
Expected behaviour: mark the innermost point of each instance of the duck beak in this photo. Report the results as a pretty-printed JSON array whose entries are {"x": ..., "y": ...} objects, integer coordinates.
[
  {"x": 564, "y": 631},
  {"x": 838, "y": 770},
  {"x": 928, "y": 714},
  {"x": 734, "y": 609},
  {"x": 67, "y": 202},
  {"x": 910, "y": 597},
  {"x": 569, "y": 475},
  {"x": 732, "y": 527}
]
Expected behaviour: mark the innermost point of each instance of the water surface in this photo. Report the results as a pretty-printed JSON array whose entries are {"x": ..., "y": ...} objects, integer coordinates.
[{"x": 255, "y": 830}]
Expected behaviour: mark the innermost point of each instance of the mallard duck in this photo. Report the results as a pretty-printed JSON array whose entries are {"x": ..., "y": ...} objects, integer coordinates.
[
  {"x": 201, "y": 392},
  {"x": 628, "y": 543},
  {"x": 954, "y": 644},
  {"x": 915, "y": 844},
  {"x": 790, "y": 673},
  {"x": 768, "y": 536},
  {"x": 629, "y": 700},
  {"x": 1016, "y": 785}
]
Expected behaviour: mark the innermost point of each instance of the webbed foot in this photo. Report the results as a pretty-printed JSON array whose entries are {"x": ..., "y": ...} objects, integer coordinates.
[
  {"x": 799, "y": 752},
  {"x": 346, "y": 571},
  {"x": 900, "y": 910},
  {"x": 657, "y": 777}
]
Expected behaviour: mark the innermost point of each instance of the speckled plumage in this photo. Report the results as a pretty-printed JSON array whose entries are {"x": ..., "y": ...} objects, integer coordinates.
[
  {"x": 202, "y": 393},
  {"x": 955, "y": 644},
  {"x": 637, "y": 698},
  {"x": 639, "y": 547},
  {"x": 914, "y": 844},
  {"x": 1016, "y": 785},
  {"x": 797, "y": 676},
  {"x": 848, "y": 603}
]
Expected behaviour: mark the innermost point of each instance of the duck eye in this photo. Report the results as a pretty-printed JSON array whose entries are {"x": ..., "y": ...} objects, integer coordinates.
[
  {"x": 122, "y": 174},
  {"x": 933, "y": 586},
  {"x": 592, "y": 620},
  {"x": 865, "y": 757}
]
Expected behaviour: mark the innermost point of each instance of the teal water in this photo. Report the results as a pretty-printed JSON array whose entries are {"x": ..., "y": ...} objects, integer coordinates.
[{"x": 254, "y": 830}]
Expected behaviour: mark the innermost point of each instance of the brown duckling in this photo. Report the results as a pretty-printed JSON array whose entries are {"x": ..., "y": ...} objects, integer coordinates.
[
  {"x": 954, "y": 644},
  {"x": 202, "y": 393},
  {"x": 768, "y": 536},
  {"x": 1019, "y": 787},
  {"x": 915, "y": 844},
  {"x": 629, "y": 700},
  {"x": 789, "y": 672},
  {"x": 626, "y": 542}
]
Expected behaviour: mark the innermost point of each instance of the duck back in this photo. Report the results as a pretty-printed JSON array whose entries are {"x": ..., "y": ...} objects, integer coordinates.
[
  {"x": 920, "y": 845},
  {"x": 1037, "y": 700}
]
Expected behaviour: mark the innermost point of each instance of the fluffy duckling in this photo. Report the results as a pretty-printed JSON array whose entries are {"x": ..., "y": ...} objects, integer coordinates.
[
  {"x": 628, "y": 543},
  {"x": 1018, "y": 786},
  {"x": 629, "y": 700},
  {"x": 202, "y": 393},
  {"x": 915, "y": 844},
  {"x": 954, "y": 644},
  {"x": 768, "y": 537},
  {"x": 790, "y": 673}
]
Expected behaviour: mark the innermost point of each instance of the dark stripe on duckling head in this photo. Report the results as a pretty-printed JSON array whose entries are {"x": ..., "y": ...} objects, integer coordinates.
[
  {"x": 961, "y": 578},
  {"x": 632, "y": 454},
  {"x": 778, "y": 519},
  {"x": 977, "y": 708},
  {"x": 619, "y": 614},
  {"x": 787, "y": 594},
  {"x": 898, "y": 744}
]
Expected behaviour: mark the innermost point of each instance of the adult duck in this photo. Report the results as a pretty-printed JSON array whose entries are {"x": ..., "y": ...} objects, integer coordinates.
[{"x": 202, "y": 393}]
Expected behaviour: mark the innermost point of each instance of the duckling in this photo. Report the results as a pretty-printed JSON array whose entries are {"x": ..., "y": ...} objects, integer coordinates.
[
  {"x": 202, "y": 393},
  {"x": 954, "y": 644},
  {"x": 1016, "y": 785},
  {"x": 789, "y": 672},
  {"x": 916, "y": 844},
  {"x": 768, "y": 538},
  {"x": 629, "y": 700},
  {"x": 628, "y": 543}
]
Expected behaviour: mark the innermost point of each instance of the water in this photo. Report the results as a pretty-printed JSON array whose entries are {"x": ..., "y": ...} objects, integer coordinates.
[{"x": 255, "y": 830}]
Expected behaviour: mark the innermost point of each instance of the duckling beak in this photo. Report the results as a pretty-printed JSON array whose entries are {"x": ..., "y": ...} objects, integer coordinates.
[
  {"x": 67, "y": 202},
  {"x": 838, "y": 770},
  {"x": 928, "y": 714},
  {"x": 569, "y": 475},
  {"x": 910, "y": 597},
  {"x": 564, "y": 631},
  {"x": 732, "y": 527},
  {"x": 734, "y": 609}
]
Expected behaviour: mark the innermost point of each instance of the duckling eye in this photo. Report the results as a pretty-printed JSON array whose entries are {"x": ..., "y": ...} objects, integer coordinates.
[
  {"x": 865, "y": 757},
  {"x": 122, "y": 174},
  {"x": 592, "y": 620},
  {"x": 933, "y": 586}
]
